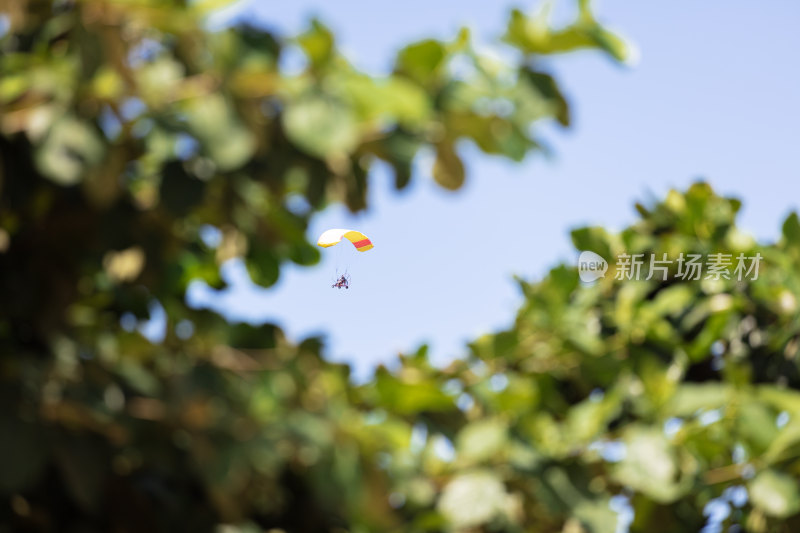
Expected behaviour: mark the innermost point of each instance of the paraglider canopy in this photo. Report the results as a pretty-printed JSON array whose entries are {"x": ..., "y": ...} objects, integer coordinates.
[{"x": 334, "y": 236}]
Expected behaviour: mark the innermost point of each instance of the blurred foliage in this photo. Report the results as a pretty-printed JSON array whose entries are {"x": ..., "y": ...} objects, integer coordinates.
[{"x": 126, "y": 128}]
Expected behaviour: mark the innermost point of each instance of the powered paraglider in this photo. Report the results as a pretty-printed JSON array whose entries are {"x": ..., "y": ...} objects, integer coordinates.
[{"x": 332, "y": 237}]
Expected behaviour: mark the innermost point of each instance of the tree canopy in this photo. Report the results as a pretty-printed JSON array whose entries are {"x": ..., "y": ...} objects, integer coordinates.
[{"x": 126, "y": 128}]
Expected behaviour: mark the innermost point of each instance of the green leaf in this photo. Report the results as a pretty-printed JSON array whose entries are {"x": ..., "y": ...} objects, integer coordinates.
[
  {"x": 691, "y": 397},
  {"x": 410, "y": 397},
  {"x": 304, "y": 253},
  {"x": 650, "y": 465},
  {"x": 317, "y": 42},
  {"x": 472, "y": 499},
  {"x": 589, "y": 418},
  {"x": 263, "y": 264},
  {"x": 533, "y": 35},
  {"x": 405, "y": 102},
  {"x": 422, "y": 61},
  {"x": 775, "y": 493},
  {"x": 592, "y": 239},
  {"x": 549, "y": 89},
  {"x": 157, "y": 80},
  {"x": 595, "y": 513},
  {"x": 613, "y": 44},
  {"x": 791, "y": 231},
  {"x": 520, "y": 396},
  {"x": 393, "y": 100},
  {"x": 69, "y": 150},
  {"x": 448, "y": 170},
  {"x": 482, "y": 440},
  {"x": 756, "y": 423},
  {"x": 400, "y": 151},
  {"x": 321, "y": 125},
  {"x": 223, "y": 136}
]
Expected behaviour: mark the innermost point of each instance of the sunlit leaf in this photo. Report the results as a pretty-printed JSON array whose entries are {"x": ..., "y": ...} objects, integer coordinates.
[
  {"x": 321, "y": 126},
  {"x": 69, "y": 150},
  {"x": 776, "y": 493}
]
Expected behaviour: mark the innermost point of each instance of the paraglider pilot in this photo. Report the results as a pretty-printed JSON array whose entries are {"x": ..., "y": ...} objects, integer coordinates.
[{"x": 343, "y": 281}]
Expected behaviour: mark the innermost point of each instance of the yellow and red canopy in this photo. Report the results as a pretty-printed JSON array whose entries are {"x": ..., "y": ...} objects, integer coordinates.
[{"x": 334, "y": 236}]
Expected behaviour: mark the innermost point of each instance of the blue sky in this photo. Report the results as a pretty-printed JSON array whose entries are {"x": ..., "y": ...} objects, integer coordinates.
[{"x": 713, "y": 95}]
